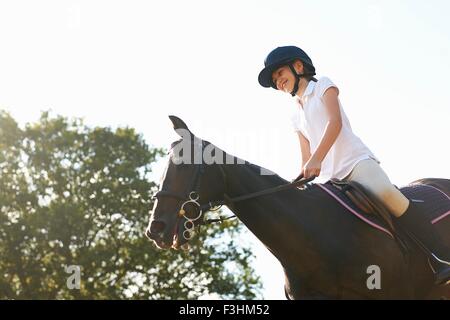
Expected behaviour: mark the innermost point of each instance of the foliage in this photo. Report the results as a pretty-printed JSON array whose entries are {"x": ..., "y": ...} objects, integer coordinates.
[{"x": 74, "y": 195}]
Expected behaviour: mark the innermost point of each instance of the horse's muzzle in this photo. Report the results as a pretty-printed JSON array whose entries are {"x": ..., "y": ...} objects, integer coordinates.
[{"x": 155, "y": 232}]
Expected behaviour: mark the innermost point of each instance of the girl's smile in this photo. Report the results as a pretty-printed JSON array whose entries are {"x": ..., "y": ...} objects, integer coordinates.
[
  {"x": 283, "y": 85},
  {"x": 281, "y": 79}
]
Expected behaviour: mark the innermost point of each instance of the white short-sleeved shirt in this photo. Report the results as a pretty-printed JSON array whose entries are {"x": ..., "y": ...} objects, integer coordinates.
[{"x": 311, "y": 121}]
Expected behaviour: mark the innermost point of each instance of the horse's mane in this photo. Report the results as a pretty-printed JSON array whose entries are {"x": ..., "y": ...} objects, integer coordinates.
[{"x": 273, "y": 178}]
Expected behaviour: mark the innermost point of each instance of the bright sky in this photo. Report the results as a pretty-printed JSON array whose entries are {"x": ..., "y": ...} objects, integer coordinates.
[{"x": 135, "y": 62}]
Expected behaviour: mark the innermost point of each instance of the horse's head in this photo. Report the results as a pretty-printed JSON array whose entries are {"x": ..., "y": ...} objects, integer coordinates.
[{"x": 188, "y": 182}]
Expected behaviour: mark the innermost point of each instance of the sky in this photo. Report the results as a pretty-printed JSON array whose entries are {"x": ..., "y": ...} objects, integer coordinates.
[{"x": 133, "y": 63}]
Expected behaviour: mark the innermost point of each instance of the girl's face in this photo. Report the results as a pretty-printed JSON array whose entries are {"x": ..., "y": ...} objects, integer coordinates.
[{"x": 283, "y": 78}]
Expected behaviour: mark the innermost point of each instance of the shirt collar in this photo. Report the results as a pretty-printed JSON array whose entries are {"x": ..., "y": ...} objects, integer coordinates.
[{"x": 309, "y": 88}]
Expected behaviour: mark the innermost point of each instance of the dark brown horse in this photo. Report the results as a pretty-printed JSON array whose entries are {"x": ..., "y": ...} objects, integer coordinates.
[{"x": 326, "y": 252}]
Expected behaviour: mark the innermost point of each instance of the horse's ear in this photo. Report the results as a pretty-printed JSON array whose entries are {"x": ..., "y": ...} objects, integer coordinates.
[{"x": 179, "y": 125}]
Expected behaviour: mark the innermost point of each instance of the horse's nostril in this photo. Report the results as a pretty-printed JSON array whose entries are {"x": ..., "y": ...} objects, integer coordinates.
[{"x": 157, "y": 226}]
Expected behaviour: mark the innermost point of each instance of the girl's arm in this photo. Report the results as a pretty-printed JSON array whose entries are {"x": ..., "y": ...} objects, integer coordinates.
[
  {"x": 330, "y": 135},
  {"x": 304, "y": 147}
]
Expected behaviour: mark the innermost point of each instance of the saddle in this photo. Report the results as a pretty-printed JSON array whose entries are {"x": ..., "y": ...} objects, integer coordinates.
[
  {"x": 434, "y": 193},
  {"x": 366, "y": 202}
]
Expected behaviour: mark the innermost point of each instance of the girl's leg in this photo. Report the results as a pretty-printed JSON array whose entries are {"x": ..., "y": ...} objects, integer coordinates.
[{"x": 371, "y": 176}]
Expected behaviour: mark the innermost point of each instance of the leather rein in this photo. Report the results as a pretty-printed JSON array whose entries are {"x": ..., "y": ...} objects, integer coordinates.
[{"x": 192, "y": 196}]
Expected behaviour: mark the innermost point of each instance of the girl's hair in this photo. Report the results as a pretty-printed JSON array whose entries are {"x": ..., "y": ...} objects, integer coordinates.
[{"x": 309, "y": 75}]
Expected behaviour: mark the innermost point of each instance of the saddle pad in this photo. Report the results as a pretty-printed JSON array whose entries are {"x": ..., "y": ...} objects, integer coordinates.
[{"x": 437, "y": 203}]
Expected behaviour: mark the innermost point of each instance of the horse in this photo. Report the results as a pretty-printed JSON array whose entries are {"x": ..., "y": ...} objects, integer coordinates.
[{"x": 325, "y": 252}]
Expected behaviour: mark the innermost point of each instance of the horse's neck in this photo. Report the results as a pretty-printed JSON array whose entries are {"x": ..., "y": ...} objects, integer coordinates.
[
  {"x": 244, "y": 179},
  {"x": 274, "y": 219}
]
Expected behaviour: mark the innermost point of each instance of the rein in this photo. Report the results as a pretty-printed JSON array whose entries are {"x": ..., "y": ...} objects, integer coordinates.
[
  {"x": 300, "y": 181},
  {"x": 193, "y": 198}
]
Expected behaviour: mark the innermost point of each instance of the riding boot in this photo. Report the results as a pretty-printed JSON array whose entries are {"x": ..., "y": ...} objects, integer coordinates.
[{"x": 415, "y": 221}]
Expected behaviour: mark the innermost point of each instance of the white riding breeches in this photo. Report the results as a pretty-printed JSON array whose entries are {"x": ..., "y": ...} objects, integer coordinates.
[{"x": 369, "y": 174}]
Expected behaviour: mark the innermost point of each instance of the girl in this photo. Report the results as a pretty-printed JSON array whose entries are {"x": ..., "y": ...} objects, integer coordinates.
[{"x": 330, "y": 149}]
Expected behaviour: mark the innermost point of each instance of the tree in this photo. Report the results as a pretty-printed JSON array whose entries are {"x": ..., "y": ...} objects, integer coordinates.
[{"x": 71, "y": 195}]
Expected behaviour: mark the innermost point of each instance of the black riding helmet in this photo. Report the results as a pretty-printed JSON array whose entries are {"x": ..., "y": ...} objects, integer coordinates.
[{"x": 282, "y": 56}]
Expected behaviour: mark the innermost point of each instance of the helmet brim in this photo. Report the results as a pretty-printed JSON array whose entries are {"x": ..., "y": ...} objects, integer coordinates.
[{"x": 265, "y": 76}]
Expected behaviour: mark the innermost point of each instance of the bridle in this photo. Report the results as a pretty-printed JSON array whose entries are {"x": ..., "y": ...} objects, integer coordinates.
[{"x": 191, "y": 196}]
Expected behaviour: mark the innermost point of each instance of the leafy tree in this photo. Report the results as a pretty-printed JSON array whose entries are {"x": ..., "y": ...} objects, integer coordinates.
[{"x": 74, "y": 195}]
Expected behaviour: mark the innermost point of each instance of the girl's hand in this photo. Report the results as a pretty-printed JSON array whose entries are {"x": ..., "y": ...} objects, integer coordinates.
[{"x": 312, "y": 168}]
